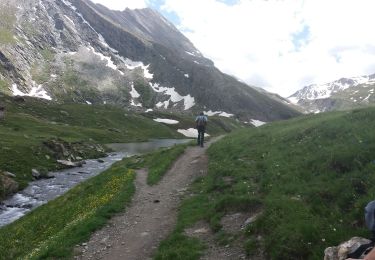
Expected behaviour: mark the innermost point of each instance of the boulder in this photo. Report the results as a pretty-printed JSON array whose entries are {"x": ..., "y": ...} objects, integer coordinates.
[
  {"x": 35, "y": 173},
  {"x": 43, "y": 174},
  {"x": 341, "y": 251},
  {"x": 9, "y": 174},
  {"x": 8, "y": 186},
  {"x": 64, "y": 113},
  {"x": 70, "y": 163}
]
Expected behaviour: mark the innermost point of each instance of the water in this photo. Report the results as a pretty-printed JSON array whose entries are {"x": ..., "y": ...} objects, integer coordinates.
[{"x": 41, "y": 191}]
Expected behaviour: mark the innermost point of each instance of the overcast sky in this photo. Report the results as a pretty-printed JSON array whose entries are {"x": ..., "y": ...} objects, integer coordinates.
[{"x": 280, "y": 45}]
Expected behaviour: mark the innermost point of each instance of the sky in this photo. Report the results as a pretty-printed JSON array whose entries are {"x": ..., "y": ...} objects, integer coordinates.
[{"x": 279, "y": 45}]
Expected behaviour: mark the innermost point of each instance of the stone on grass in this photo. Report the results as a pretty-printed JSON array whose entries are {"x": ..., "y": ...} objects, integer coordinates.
[{"x": 341, "y": 251}]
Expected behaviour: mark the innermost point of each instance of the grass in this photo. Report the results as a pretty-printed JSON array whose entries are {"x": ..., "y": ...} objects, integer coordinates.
[
  {"x": 52, "y": 230},
  {"x": 157, "y": 162},
  {"x": 310, "y": 177},
  {"x": 160, "y": 162},
  {"x": 28, "y": 124}
]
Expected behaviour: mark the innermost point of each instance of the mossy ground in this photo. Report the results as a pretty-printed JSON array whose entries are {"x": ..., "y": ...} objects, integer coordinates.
[
  {"x": 52, "y": 230},
  {"x": 310, "y": 177}
]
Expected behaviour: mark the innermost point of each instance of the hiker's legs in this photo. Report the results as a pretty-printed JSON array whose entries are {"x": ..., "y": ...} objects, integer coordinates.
[{"x": 202, "y": 137}]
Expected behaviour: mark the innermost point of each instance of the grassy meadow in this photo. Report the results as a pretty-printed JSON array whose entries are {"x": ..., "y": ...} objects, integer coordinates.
[
  {"x": 29, "y": 124},
  {"x": 309, "y": 178},
  {"x": 52, "y": 230}
]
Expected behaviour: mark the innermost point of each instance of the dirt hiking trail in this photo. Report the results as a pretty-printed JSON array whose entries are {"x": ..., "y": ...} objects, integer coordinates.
[{"x": 152, "y": 214}]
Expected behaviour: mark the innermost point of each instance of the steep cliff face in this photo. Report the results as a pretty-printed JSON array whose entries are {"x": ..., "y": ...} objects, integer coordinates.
[{"x": 79, "y": 51}]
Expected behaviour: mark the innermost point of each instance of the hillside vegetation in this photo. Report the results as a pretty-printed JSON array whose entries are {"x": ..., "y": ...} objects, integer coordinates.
[
  {"x": 52, "y": 230},
  {"x": 308, "y": 180},
  {"x": 31, "y": 126}
]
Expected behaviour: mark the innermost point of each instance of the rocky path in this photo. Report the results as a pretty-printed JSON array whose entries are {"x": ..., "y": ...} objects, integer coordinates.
[{"x": 136, "y": 233}]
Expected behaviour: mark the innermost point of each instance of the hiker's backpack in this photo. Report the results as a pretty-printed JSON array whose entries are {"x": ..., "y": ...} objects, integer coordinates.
[{"x": 201, "y": 121}]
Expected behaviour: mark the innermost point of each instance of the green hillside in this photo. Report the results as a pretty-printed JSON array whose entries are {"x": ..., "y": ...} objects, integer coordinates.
[
  {"x": 32, "y": 126},
  {"x": 309, "y": 178}
]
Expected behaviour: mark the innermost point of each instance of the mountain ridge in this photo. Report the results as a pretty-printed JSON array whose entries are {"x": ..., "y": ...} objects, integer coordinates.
[
  {"x": 78, "y": 51},
  {"x": 341, "y": 94}
]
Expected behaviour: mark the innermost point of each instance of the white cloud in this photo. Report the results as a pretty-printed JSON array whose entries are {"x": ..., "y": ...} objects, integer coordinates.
[
  {"x": 122, "y": 4},
  {"x": 256, "y": 40}
]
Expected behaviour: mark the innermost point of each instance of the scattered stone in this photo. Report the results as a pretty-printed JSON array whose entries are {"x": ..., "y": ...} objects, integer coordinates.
[
  {"x": 35, "y": 173},
  {"x": 9, "y": 174},
  {"x": 8, "y": 185},
  {"x": 26, "y": 206},
  {"x": 114, "y": 130},
  {"x": 156, "y": 201},
  {"x": 47, "y": 157},
  {"x": 183, "y": 190},
  {"x": 70, "y": 163},
  {"x": 64, "y": 113},
  {"x": 104, "y": 241},
  {"x": 201, "y": 231},
  {"x": 251, "y": 220},
  {"x": 341, "y": 251}
]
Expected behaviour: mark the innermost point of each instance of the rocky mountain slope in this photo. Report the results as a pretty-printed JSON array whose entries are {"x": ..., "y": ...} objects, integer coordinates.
[
  {"x": 345, "y": 93},
  {"x": 77, "y": 51}
]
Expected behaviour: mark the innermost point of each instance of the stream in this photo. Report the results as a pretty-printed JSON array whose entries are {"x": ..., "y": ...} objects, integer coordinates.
[{"x": 41, "y": 191}]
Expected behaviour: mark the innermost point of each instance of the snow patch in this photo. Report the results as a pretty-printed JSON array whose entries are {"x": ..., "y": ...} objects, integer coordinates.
[
  {"x": 191, "y": 132},
  {"x": 88, "y": 102},
  {"x": 224, "y": 114},
  {"x": 190, "y": 53},
  {"x": 149, "y": 110},
  {"x": 186, "y": 75},
  {"x": 293, "y": 100},
  {"x": 175, "y": 97},
  {"x": 134, "y": 94},
  {"x": 131, "y": 65},
  {"x": 257, "y": 123},
  {"x": 366, "y": 98},
  {"x": 69, "y": 4},
  {"x": 36, "y": 91},
  {"x": 166, "y": 121},
  {"x": 219, "y": 113},
  {"x": 109, "y": 62}
]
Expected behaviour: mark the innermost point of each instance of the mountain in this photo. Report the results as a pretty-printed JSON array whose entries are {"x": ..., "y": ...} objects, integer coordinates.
[
  {"x": 78, "y": 51},
  {"x": 342, "y": 94}
]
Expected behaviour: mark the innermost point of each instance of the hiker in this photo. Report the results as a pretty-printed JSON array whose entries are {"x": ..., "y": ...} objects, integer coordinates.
[
  {"x": 367, "y": 251},
  {"x": 201, "y": 122}
]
